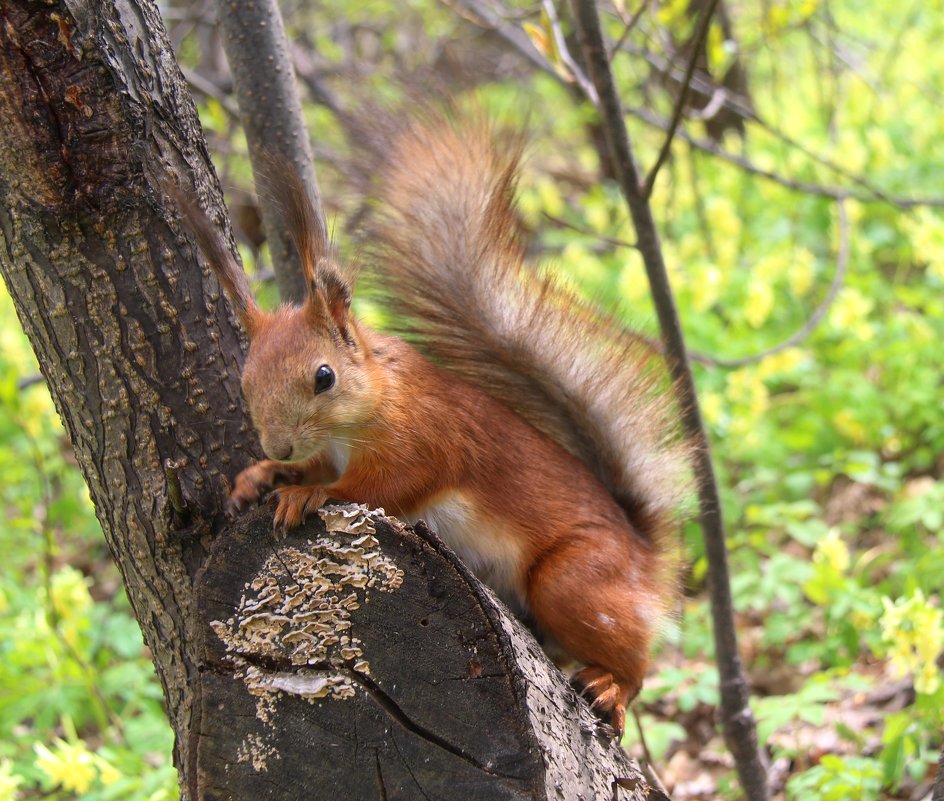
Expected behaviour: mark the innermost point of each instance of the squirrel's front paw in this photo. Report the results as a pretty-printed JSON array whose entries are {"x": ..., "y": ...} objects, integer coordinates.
[
  {"x": 253, "y": 483},
  {"x": 295, "y": 504}
]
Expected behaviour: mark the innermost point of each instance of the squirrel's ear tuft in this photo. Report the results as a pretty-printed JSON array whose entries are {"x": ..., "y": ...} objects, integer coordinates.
[
  {"x": 280, "y": 183},
  {"x": 220, "y": 258},
  {"x": 330, "y": 298}
]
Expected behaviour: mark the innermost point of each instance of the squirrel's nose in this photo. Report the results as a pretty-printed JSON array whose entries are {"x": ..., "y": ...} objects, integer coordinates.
[{"x": 281, "y": 452}]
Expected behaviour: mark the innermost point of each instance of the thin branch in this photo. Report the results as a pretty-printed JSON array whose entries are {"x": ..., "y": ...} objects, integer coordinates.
[
  {"x": 804, "y": 187},
  {"x": 628, "y": 28},
  {"x": 739, "y": 105},
  {"x": 736, "y": 717},
  {"x": 209, "y": 89},
  {"x": 937, "y": 793},
  {"x": 842, "y": 262},
  {"x": 479, "y": 14},
  {"x": 696, "y": 44},
  {"x": 646, "y": 766},
  {"x": 253, "y": 36},
  {"x": 610, "y": 240},
  {"x": 560, "y": 43}
]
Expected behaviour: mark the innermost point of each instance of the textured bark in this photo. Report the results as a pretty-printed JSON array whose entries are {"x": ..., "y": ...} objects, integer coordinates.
[
  {"x": 137, "y": 348},
  {"x": 359, "y": 659}
]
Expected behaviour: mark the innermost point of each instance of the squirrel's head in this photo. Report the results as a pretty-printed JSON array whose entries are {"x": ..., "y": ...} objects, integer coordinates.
[{"x": 306, "y": 378}]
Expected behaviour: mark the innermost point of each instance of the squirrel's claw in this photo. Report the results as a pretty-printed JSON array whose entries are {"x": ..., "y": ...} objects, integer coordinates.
[
  {"x": 607, "y": 698},
  {"x": 255, "y": 482},
  {"x": 294, "y": 504}
]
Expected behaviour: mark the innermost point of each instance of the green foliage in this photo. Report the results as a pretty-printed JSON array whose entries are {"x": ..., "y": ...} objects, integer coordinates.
[
  {"x": 838, "y": 779},
  {"x": 81, "y": 713}
]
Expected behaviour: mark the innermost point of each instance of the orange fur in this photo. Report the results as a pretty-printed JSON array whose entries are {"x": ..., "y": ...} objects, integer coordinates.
[{"x": 541, "y": 445}]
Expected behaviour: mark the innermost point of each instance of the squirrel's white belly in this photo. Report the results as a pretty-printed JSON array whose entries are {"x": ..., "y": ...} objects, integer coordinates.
[{"x": 492, "y": 555}]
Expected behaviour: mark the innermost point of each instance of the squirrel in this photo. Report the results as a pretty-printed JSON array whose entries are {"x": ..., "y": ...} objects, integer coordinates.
[{"x": 536, "y": 435}]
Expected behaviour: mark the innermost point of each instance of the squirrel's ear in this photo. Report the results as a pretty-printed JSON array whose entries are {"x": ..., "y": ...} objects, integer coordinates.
[
  {"x": 218, "y": 256},
  {"x": 330, "y": 297},
  {"x": 279, "y": 181}
]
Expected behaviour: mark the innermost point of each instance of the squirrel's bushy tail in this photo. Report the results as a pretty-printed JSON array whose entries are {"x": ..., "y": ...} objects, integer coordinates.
[{"x": 452, "y": 266}]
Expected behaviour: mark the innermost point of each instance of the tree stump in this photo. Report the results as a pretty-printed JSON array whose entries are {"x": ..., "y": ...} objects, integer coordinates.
[{"x": 358, "y": 658}]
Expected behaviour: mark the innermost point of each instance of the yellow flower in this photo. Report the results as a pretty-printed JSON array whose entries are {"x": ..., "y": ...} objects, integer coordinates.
[
  {"x": 802, "y": 271},
  {"x": 579, "y": 262},
  {"x": 913, "y": 630},
  {"x": 723, "y": 218},
  {"x": 712, "y": 407},
  {"x": 925, "y": 228},
  {"x": 779, "y": 363},
  {"x": 8, "y": 781},
  {"x": 760, "y": 300},
  {"x": 107, "y": 772},
  {"x": 69, "y": 765},
  {"x": 706, "y": 288},
  {"x": 745, "y": 388},
  {"x": 850, "y": 310},
  {"x": 849, "y": 426},
  {"x": 70, "y": 593},
  {"x": 831, "y": 551}
]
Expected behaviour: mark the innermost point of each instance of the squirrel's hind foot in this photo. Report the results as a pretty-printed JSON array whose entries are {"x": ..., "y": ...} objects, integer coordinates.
[{"x": 607, "y": 698}]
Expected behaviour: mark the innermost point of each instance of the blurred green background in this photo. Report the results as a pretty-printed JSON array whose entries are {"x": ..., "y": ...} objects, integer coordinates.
[{"x": 829, "y": 452}]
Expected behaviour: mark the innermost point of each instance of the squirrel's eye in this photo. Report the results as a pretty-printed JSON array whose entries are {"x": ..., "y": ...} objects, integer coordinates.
[{"x": 324, "y": 378}]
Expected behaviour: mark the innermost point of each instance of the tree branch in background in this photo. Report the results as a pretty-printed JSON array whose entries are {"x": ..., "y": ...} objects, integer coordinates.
[
  {"x": 736, "y": 717},
  {"x": 698, "y": 40},
  {"x": 258, "y": 54},
  {"x": 479, "y": 14},
  {"x": 628, "y": 27}
]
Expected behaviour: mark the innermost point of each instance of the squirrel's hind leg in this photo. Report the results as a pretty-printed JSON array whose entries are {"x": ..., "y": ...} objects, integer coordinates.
[{"x": 591, "y": 593}]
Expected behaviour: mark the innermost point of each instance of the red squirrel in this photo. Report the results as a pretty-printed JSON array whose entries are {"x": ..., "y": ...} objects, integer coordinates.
[{"x": 534, "y": 434}]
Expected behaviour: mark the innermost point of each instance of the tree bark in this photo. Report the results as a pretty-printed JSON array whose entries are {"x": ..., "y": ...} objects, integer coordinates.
[
  {"x": 436, "y": 692},
  {"x": 139, "y": 351}
]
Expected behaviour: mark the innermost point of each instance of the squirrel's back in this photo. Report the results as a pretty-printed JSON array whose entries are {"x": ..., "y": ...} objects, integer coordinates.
[{"x": 452, "y": 266}]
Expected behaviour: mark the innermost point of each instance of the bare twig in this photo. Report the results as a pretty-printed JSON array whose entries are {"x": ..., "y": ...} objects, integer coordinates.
[
  {"x": 646, "y": 765},
  {"x": 937, "y": 794},
  {"x": 174, "y": 492},
  {"x": 740, "y": 106},
  {"x": 631, "y": 23},
  {"x": 211, "y": 90},
  {"x": 30, "y": 381},
  {"x": 698, "y": 40},
  {"x": 804, "y": 187},
  {"x": 581, "y": 80},
  {"x": 480, "y": 14},
  {"x": 610, "y": 240},
  {"x": 737, "y": 719}
]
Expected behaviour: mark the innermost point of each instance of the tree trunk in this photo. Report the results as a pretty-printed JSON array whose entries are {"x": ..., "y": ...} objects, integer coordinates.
[
  {"x": 134, "y": 340},
  {"x": 435, "y": 692}
]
